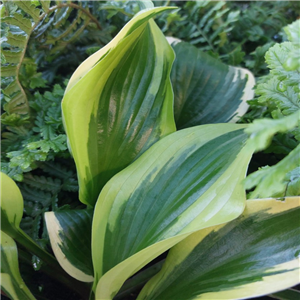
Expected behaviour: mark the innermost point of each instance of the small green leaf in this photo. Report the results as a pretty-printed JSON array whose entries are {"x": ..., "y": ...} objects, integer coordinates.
[
  {"x": 73, "y": 253},
  {"x": 275, "y": 90},
  {"x": 18, "y": 20},
  {"x": 262, "y": 131},
  {"x": 30, "y": 9},
  {"x": 7, "y": 71},
  {"x": 265, "y": 177},
  {"x": 11, "y": 281},
  {"x": 16, "y": 40},
  {"x": 276, "y": 58},
  {"x": 12, "y": 57},
  {"x": 45, "y": 4},
  {"x": 254, "y": 255},
  {"x": 13, "y": 87},
  {"x": 293, "y": 32}
]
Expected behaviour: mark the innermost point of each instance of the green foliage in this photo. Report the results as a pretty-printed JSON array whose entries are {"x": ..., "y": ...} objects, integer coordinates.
[
  {"x": 237, "y": 32},
  {"x": 38, "y": 39},
  {"x": 44, "y": 33},
  {"x": 27, "y": 151},
  {"x": 38, "y": 143},
  {"x": 43, "y": 42},
  {"x": 204, "y": 24},
  {"x": 279, "y": 92},
  {"x": 11, "y": 281}
]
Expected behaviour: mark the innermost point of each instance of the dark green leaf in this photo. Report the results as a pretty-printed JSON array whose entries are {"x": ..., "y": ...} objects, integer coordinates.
[
  {"x": 206, "y": 90},
  {"x": 70, "y": 236},
  {"x": 254, "y": 255}
]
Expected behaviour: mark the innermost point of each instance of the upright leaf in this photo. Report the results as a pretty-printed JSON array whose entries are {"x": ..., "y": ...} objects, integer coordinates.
[
  {"x": 252, "y": 256},
  {"x": 118, "y": 103},
  {"x": 181, "y": 184},
  {"x": 11, "y": 281},
  {"x": 205, "y": 89}
]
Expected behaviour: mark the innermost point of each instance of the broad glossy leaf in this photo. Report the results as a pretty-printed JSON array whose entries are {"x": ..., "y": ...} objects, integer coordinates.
[
  {"x": 118, "y": 103},
  {"x": 11, "y": 281},
  {"x": 11, "y": 204},
  {"x": 254, "y": 255},
  {"x": 70, "y": 237},
  {"x": 206, "y": 90},
  {"x": 181, "y": 184}
]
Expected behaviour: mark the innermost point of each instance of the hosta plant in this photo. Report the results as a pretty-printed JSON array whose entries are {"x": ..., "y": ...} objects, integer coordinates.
[{"x": 149, "y": 188}]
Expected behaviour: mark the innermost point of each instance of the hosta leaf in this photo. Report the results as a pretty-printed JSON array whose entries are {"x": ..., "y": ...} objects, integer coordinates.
[
  {"x": 11, "y": 281},
  {"x": 205, "y": 89},
  {"x": 11, "y": 204},
  {"x": 181, "y": 184},
  {"x": 118, "y": 103},
  {"x": 139, "y": 20},
  {"x": 254, "y": 255},
  {"x": 70, "y": 236}
]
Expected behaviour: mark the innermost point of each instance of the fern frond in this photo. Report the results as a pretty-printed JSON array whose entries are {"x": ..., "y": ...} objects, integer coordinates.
[
  {"x": 7, "y": 71},
  {"x": 62, "y": 16},
  {"x": 57, "y": 170},
  {"x": 45, "y": 183},
  {"x": 70, "y": 185},
  {"x": 40, "y": 198},
  {"x": 16, "y": 40},
  {"x": 26, "y": 19},
  {"x": 18, "y": 20},
  {"x": 30, "y": 9},
  {"x": 12, "y": 57}
]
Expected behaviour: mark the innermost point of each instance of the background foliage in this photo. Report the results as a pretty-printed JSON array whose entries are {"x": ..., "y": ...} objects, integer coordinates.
[{"x": 44, "y": 42}]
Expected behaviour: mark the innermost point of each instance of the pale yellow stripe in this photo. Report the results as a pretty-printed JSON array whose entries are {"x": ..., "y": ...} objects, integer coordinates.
[{"x": 54, "y": 228}]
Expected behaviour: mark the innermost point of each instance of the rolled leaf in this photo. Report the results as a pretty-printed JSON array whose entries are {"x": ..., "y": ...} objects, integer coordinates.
[
  {"x": 70, "y": 237},
  {"x": 118, "y": 103},
  {"x": 207, "y": 90},
  {"x": 11, "y": 281},
  {"x": 189, "y": 180},
  {"x": 254, "y": 255}
]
